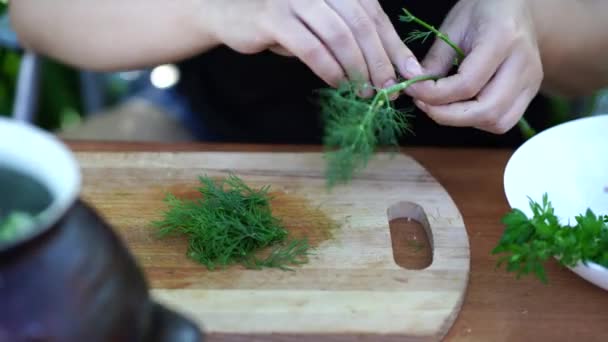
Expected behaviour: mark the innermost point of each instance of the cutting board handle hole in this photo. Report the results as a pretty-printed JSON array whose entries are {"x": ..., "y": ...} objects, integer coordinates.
[{"x": 411, "y": 236}]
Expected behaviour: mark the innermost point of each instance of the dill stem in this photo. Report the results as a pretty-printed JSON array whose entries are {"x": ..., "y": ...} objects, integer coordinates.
[
  {"x": 401, "y": 86},
  {"x": 385, "y": 93},
  {"x": 438, "y": 33},
  {"x": 382, "y": 98},
  {"x": 525, "y": 128}
]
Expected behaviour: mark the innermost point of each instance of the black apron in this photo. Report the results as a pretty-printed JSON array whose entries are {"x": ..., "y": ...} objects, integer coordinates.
[{"x": 267, "y": 98}]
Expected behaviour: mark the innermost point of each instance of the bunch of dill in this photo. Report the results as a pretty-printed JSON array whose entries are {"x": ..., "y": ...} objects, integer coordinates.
[{"x": 229, "y": 224}]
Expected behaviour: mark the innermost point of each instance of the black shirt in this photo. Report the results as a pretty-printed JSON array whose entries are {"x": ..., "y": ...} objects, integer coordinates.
[{"x": 267, "y": 98}]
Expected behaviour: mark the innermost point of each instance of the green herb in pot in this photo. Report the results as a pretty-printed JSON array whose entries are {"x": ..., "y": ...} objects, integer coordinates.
[{"x": 15, "y": 225}]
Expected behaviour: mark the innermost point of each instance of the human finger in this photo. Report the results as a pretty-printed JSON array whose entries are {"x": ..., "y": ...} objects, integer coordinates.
[
  {"x": 489, "y": 106},
  {"x": 381, "y": 71},
  {"x": 487, "y": 54},
  {"x": 280, "y": 50},
  {"x": 512, "y": 116},
  {"x": 398, "y": 52},
  {"x": 297, "y": 38},
  {"x": 336, "y": 35}
]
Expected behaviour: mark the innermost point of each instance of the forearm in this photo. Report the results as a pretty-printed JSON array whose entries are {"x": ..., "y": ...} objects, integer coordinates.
[
  {"x": 113, "y": 34},
  {"x": 573, "y": 38}
]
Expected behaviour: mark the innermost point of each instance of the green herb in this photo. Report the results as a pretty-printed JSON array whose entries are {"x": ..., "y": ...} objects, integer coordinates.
[
  {"x": 524, "y": 127},
  {"x": 529, "y": 242},
  {"x": 231, "y": 223},
  {"x": 285, "y": 254},
  {"x": 431, "y": 30},
  {"x": 15, "y": 225},
  {"x": 356, "y": 127}
]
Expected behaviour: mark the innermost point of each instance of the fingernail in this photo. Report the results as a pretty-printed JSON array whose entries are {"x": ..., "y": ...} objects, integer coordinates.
[
  {"x": 412, "y": 67},
  {"x": 389, "y": 84},
  {"x": 420, "y": 104},
  {"x": 366, "y": 91}
]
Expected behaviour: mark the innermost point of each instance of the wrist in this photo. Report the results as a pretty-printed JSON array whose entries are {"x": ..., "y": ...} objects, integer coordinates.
[
  {"x": 542, "y": 11},
  {"x": 571, "y": 41},
  {"x": 547, "y": 16}
]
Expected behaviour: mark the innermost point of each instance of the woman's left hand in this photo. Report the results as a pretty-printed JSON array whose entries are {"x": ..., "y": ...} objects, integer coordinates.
[{"x": 500, "y": 75}]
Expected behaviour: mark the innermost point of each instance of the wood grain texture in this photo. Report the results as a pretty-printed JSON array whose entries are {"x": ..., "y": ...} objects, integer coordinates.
[
  {"x": 497, "y": 306},
  {"x": 352, "y": 285}
]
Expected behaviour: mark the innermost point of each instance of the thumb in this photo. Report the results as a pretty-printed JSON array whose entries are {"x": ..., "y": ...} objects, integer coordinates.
[
  {"x": 438, "y": 62},
  {"x": 440, "y": 59}
]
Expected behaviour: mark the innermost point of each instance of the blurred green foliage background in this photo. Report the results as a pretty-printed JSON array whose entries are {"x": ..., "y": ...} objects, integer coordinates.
[{"x": 59, "y": 103}]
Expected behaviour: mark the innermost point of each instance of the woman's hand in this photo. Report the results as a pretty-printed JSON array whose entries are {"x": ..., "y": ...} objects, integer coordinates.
[
  {"x": 336, "y": 39},
  {"x": 500, "y": 75}
]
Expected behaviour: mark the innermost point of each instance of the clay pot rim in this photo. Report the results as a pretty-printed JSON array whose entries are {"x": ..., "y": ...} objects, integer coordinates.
[{"x": 43, "y": 156}]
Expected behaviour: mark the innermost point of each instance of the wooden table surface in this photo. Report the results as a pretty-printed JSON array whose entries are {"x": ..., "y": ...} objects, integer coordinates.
[{"x": 497, "y": 307}]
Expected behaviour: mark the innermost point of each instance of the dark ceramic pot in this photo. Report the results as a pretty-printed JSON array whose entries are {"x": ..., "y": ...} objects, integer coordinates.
[{"x": 66, "y": 276}]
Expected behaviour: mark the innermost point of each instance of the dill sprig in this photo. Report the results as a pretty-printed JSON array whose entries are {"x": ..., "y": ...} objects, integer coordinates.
[
  {"x": 431, "y": 30},
  {"x": 418, "y": 35},
  {"x": 231, "y": 223},
  {"x": 355, "y": 127},
  {"x": 528, "y": 242}
]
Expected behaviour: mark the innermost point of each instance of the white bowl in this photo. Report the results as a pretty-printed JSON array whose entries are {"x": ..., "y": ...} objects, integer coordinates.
[{"x": 569, "y": 162}]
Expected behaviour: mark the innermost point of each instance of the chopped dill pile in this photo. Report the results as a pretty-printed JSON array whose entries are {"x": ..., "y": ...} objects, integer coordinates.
[{"x": 232, "y": 223}]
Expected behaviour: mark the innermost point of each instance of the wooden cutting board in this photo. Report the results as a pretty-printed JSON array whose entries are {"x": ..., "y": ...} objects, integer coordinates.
[{"x": 352, "y": 285}]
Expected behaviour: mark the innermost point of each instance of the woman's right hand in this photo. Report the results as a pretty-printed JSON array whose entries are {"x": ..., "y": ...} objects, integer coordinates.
[{"x": 338, "y": 40}]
